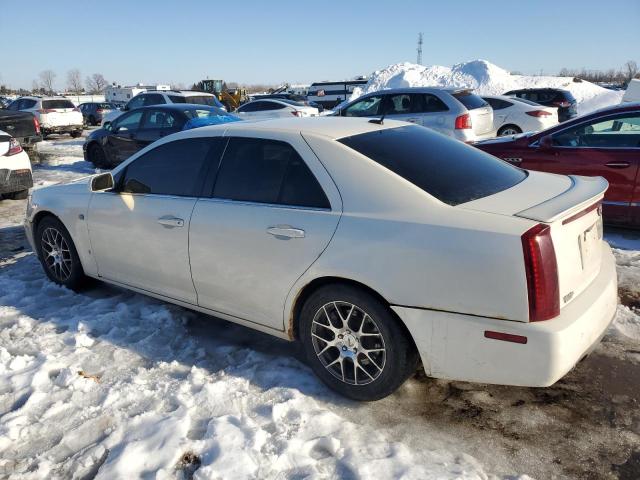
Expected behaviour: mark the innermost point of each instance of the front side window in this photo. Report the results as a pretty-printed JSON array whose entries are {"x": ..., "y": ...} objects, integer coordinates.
[
  {"x": 367, "y": 107},
  {"x": 447, "y": 169},
  {"x": 130, "y": 121},
  {"x": 267, "y": 171},
  {"x": 174, "y": 168},
  {"x": 619, "y": 132},
  {"x": 135, "y": 102},
  {"x": 155, "y": 119}
]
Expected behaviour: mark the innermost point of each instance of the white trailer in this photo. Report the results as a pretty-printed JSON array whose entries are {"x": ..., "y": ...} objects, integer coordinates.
[{"x": 121, "y": 95}]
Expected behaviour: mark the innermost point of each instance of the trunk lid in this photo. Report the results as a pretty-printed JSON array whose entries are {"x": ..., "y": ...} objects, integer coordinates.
[
  {"x": 571, "y": 205},
  {"x": 482, "y": 120},
  {"x": 17, "y": 124}
]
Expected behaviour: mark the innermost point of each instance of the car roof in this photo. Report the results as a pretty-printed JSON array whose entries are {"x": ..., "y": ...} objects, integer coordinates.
[
  {"x": 179, "y": 106},
  {"x": 541, "y": 89},
  {"x": 332, "y": 127},
  {"x": 421, "y": 90}
]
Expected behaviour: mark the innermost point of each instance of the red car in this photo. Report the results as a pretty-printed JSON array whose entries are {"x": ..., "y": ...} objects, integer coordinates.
[{"x": 603, "y": 143}]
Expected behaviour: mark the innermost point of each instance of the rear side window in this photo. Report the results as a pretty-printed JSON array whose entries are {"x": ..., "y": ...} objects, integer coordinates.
[
  {"x": 447, "y": 169},
  {"x": 498, "y": 103},
  {"x": 175, "y": 168},
  {"x": 153, "y": 99},
  {"x": 51, "y": 104},
  {"x": 425, "y": 103},
  {"x": 28, "y": 103},
  {"x": 267, "y": 171},
  {"x": 470, "y": 100}
]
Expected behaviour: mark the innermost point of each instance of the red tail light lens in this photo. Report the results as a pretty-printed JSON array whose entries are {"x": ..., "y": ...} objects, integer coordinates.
[
  {"x": 538, "y": 113},
  {"x": 463, "y": 122},
  {"x": 36, "y": 124},
  {"x": 541, "y": 268},
  {"x": 296, "y": 113},
  {"x": 14, "y": 147}
]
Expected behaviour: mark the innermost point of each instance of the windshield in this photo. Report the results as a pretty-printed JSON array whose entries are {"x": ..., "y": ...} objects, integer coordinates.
[{"x": 447, "y": 169}]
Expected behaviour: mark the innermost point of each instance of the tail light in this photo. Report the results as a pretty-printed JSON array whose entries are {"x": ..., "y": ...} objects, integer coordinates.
[
  {"x": 36, "y": 125},
  {"x": 541, "y": 269},
  {"x": 463, "y": 122},
  {"x": 296, "y": 113},
  {"x": 562, "y": 104},
  {"x": 14, "y": 147},
  {"x": 538, "y": 113}
]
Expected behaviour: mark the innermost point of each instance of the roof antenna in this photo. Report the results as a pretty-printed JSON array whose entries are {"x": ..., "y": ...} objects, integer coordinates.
[{"x": 378, "y": 120}]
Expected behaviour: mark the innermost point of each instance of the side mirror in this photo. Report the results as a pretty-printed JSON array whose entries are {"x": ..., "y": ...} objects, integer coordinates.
[
  {"x": 104, "y": 181},
  {"x": 546, "y": 142},
  {"x": 107, "y": 125}
]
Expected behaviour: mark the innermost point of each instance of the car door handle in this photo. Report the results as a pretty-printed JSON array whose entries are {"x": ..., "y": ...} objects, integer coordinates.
[
  {"x": 617, "y": 164},
  {"x": 285, "y": 231},
  {"x": 171, "y": 222}
]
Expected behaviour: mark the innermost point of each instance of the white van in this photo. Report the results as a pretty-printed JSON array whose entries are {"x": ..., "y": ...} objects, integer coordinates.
[{"x": 632, "y": 94}]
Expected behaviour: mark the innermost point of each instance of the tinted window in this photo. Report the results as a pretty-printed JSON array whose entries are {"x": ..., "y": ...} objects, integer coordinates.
[
  {"x": 398, "y": 104},
  {"x": 154, "y": 99},
  {"x": 209, "y": 100},
  {"x": 263, "y": 106},
  {"x": 470, "y": 100},
  {"x": 175, "y": 168},
  {"x": 249, "y": 107},
  {"x": 57, "y": 104},
  {"x": 497, "y": 103},
  {"x": 619, "y": 132},
  {"x": 370, "y": 106},
  {"x": 526, "y": 102},
  {"x": 160, "y": 119},
  {"x": 28, "y": 103},
  {"x": 15, "y": 105},
  {"x": 135, "y": 102},
  {"x": 129, "y": 121},
  {"x": 267, "y": 171},
  {"x": 426, "y": 103},
  {"x": 445, "y": 168}
]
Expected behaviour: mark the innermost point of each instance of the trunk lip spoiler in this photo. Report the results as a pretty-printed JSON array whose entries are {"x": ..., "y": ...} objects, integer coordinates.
[{"x": 582, "y": 192}]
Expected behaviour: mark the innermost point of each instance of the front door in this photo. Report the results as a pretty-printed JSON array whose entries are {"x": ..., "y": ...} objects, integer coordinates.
[
  {"x": 267, "y": 221},
  {"x": 609, "y": 148},
  {"x": 121, "y": 143},
  {"x": 140, "y": 231}
]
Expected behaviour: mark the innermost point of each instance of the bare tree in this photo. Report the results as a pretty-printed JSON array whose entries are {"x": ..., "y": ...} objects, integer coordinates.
[
  {"x": 631, "y": 69},
  {"x": 74, "y": 80},
  {"x": 46, "y": 80},
  {"x": 96, "y": 83}
]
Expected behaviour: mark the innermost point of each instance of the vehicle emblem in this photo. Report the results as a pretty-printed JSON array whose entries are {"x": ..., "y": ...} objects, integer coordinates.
[
  {"x": 513, "y": 159},
  {"x": 567, "y": 297}
]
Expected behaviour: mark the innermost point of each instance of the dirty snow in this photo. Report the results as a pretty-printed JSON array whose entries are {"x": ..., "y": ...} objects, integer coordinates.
[
  {"x": 486, "y": 79},
  {"x": 111, "y": 384}
]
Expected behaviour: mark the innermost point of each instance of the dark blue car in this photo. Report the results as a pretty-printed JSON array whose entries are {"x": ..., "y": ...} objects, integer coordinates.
[{"x": 118, "y": 140}]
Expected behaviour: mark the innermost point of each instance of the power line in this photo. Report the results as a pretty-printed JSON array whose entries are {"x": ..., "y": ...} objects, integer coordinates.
[{"x": 420, "y": 48}]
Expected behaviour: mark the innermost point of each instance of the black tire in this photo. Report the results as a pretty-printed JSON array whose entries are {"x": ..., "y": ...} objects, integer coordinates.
[
  {"x": 66, "y": 268},
  {"x": 92, "y": 120},
  {"x": 76, "y": 133},
  {"x": 20, "y": 195},
  {"x": 97, "y": 156},
  {"x": 511, "y": 129},
  {"x": 380, "y": 373}
]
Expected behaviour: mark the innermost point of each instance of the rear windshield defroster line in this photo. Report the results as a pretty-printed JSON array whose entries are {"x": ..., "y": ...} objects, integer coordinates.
[{"x": 445, "y": 168}]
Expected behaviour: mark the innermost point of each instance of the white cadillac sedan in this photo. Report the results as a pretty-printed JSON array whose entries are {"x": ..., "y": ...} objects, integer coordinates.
[{"x": 373, "y": 244}]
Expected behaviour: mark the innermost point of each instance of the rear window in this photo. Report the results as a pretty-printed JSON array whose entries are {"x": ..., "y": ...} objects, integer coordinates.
[
  {"x": 470, "y": 100},
  {"x": 528, "y": 102},
  {"x": 447, "y": 169},
  {"x": 51, "y": 104}
]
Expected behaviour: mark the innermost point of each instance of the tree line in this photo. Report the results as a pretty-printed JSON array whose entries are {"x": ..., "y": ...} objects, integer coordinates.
[
  {"x": 621, "y": 76},
  {"x": 93, "y": 84}
]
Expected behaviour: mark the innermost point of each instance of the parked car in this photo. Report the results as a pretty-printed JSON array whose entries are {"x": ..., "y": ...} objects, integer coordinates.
[
  {"x": 454, "y": 112},
  {"x": 118, "y": 140},
  {"x": 274, "y": 108},
  {"x": 93, "y": 112},
  {"x": 563, "y": 100},
  {"x": 23, "y": 126},
  {"x": 605, "y": 142},
  {"x": 15, "y": 169},
  {"x": 372, "y": 245},
  {"x": 330, "y": 94},
  {"x": 54, "y": 114},
  {"x": 160, "y": 97},
  {"x": 513, "y": 115},
  {"x": 289, "y": 96}
]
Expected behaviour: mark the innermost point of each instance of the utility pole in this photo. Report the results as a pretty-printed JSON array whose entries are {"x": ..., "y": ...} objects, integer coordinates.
[{"x": 420, "y": 48}]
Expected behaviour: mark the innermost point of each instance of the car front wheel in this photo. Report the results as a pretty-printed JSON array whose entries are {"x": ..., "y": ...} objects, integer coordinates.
[
  {"x": 97, "y": 156},
  {"x": 58, "y": 254},
  {"x": 354, "y": 343}
]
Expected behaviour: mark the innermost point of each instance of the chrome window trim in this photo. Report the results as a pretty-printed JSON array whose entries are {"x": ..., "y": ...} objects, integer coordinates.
[{"x": 262, "y": 204}]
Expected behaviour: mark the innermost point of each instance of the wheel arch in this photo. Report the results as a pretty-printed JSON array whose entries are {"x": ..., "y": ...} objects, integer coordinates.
[
  {"x": 307, "y": 290},
  {"x": 512, "y": 125}
]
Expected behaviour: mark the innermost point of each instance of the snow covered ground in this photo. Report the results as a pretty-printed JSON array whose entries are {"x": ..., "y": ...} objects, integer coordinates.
[
  {"x": 112, "y": 384},
  {"x": 486, "y": 79}
]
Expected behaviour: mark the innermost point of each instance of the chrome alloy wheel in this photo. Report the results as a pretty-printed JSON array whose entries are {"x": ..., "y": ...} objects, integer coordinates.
[
  {"x": 509, "y": 131},
  {"x": 348, "y": 343},
  {"x": 56, "y": 253}
]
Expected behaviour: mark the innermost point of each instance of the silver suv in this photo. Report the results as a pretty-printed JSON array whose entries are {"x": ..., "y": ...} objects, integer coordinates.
[
  {"x": 160, "y": 97},
  {"x": 458, "y": 113}
]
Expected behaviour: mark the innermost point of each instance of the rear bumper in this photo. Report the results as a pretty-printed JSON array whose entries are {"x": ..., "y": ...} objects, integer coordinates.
[
  {"x": 60, "y": 128},
  {"x": 453, "y": 346},
  {"x": 15, "y": 180},
  {"x": 29, "y": 142}
]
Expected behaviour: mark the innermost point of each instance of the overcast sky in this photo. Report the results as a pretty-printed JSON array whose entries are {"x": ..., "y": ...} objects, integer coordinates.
[{"x": 301, "y": 42}]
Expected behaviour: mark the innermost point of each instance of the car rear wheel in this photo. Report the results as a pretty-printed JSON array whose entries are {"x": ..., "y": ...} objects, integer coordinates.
[
  {"x": 509, "y": 130},
  {"x": 97, "y": 156},
  {"x": 354, "y": 343},
  {"x": 58, "y": 254},
  {"x": 76, "y": 133}
]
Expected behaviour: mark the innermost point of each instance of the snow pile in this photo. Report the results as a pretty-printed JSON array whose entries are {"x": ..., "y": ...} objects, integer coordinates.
[{"x": 486, "y": 79}]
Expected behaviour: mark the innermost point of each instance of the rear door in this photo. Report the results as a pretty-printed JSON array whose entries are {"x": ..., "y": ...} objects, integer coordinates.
[
  {"x": 268, "y": 219},
  {"x": 140, "y": 230},
  {"x": 603, "y": 147},
  {"x": 121, "y": 143}
]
